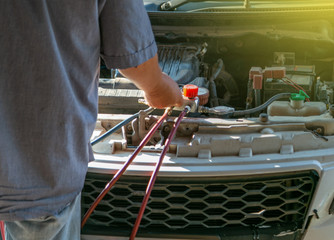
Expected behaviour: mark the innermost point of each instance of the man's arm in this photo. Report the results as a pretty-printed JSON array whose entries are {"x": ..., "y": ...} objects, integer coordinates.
[{"x": 160, "y": 90}]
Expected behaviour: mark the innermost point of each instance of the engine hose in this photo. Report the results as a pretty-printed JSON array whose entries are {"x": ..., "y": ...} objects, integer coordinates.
[
  {"x": 2, "y": 230},
  {"x": 261, "y": 107},
  {"x": 120, "y": 172},
  {"x": 155, "y": 173},
  {"x": 118, "y": 126},
  {"x": 212, "y": 85}
]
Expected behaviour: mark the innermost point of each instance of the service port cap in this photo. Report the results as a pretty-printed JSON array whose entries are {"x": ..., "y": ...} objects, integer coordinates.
[
  {"x": 299, "y": 96},
  {"x": 190, "y": 91}
]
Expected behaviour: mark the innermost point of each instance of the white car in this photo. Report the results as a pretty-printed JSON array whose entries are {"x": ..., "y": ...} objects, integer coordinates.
[{"x": 254, "y": 159}]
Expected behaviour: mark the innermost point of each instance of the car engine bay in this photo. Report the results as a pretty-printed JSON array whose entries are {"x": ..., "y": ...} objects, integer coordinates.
[{"x": 247, "y": 162}]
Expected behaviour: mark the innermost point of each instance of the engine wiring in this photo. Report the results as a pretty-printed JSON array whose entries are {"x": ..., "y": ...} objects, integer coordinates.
[{"x": 290, "y": 82}]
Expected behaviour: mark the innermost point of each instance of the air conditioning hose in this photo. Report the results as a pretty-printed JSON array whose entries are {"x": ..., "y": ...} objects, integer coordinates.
[
  {"x": 2, "y": 230},
  {"x": 261, "y": 107},
  {"x": 231, "y": 112},
  {"x": 156, "y": 171},
  {"x": 118, "y": 126},
  {"x": 125, "y": 166}
]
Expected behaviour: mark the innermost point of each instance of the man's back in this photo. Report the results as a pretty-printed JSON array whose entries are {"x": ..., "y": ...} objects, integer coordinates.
[{"x": 50, "y": 53}]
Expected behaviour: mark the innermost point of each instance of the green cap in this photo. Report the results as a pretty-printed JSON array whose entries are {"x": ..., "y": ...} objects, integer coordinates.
[{"x": 299, "y": 96}]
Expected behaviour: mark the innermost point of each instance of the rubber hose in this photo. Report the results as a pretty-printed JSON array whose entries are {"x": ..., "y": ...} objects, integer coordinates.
[
  {"x": 118, "y": 126},
  {"x": 155, "y": 173},
  {"x": 2, "y": 230},
  {"x": 120, "y": 172},
  {"x": 261, "y": 107},
  {"x": 212, "y": 85}
]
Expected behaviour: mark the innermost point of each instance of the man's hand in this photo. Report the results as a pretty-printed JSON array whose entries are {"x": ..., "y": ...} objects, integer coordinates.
[
  {"x": 166, "y": 95},
  {"x": 160, "y": 90}
]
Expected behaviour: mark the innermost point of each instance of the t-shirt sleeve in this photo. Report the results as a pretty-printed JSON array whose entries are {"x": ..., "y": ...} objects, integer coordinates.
[{"x": 127, "y": 39}]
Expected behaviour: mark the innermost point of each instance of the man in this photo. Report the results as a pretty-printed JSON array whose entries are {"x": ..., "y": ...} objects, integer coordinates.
[{"x": 49, "y": 58}]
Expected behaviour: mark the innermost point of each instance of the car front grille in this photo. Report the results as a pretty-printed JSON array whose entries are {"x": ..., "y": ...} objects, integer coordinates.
[{"x": 202, "y": 204}]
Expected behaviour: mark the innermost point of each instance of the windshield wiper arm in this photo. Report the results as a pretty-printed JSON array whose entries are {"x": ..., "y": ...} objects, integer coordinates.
[{"x": 172, "y": 4}]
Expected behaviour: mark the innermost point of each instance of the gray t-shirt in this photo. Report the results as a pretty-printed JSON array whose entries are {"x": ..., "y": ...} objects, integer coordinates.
[{"x": 49, "y": 64}]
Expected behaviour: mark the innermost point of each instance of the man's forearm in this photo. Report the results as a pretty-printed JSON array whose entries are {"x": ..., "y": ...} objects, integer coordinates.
[
  {"x": 145, "y": 75},
  {"x": 160, "y": 90}
]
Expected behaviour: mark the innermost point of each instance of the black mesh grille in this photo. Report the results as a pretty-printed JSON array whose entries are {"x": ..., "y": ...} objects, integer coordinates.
[{"x": 202, "y": 204}]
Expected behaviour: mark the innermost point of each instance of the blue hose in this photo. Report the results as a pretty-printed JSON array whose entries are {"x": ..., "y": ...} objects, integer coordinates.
[{"x": 118, "y": 126}]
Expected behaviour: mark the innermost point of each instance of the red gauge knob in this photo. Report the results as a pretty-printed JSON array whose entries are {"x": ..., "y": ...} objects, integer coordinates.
[{"x": 190, "y": 91}]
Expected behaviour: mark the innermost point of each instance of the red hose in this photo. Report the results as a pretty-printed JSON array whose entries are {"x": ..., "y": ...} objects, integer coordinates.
[
  {"x": 2, "y": 230},
  {"x": 155, "y": 173},
  {"x": 125, "y": 166}
]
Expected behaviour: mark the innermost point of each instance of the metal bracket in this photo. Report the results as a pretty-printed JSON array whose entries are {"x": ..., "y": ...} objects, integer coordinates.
[{"x": 331, "y": 208}]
